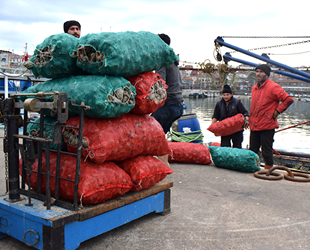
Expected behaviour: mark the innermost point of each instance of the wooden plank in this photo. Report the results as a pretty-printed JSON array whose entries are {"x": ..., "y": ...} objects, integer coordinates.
[{"x": 90, "y": 211}]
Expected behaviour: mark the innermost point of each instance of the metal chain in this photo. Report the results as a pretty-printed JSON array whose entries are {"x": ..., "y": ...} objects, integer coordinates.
[
  {"x": 6, "y": 154},
  {"x": 272, "y": 46},
  {"x": 217, "y": 53},
  {"x": 265, "y": 36},
  {"x": 297, "y": 53},
  {"x": 276, "y": 46}
]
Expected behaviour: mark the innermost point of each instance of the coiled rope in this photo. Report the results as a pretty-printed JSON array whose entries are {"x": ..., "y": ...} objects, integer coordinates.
[
  {"x": 207, "y": 68},
  {"x": 186, "y": 137}
]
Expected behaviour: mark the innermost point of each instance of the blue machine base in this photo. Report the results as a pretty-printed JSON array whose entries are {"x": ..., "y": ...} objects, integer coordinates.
[{"x": 60, "y": 228}]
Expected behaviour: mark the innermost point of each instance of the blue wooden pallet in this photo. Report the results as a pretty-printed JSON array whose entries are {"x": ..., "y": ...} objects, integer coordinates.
[{"x": 60, "y": 228}]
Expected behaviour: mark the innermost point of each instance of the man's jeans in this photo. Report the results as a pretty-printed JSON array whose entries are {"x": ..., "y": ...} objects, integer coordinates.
[{"x": 166, "y": 115}]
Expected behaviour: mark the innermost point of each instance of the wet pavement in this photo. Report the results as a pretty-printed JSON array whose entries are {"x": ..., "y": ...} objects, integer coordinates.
[{"x": 212, "y": 208}]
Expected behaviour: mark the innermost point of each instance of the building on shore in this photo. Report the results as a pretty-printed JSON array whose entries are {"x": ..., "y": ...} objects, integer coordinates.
[{"x": 11, "y": 62}]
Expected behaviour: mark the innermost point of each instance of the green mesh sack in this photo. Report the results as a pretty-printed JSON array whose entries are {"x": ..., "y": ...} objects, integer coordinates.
[
  {"x": 107, "y": 96},
  {"x": 52, "y": 58},
  {"x": 123, "y": 53},
  {"x": 236, "y": 159},
  {"x": 33, "y": 129}
]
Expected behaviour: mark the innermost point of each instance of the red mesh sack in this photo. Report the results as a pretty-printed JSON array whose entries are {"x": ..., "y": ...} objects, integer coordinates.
[
  {"x": 186, "y": 152},
  {"x": 215, "y": 144},
  {"x": 98, "y": 183},
  {"x": 145, "y": 171},
  {"x": 150, "y": 92},
  {"x": 227, "y": 126},
  {"x": 117, "y": 139}
]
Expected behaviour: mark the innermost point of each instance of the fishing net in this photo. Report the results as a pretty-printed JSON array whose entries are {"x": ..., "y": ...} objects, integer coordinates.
[
  {"x": 145, "y": 171},
  {"x": 123, "y": 53},
  {"x": 98, "y": 183},
  {"x": 150, "y": 92},
  {"x": 107, "y": 96},
  {"x": 52, "y": 59},
  {"x": 235, "y": 158},
  {"x": 186, "y": 152},
  {"x": 227, "y": 126},
  {"x": 117, "y": 139}
]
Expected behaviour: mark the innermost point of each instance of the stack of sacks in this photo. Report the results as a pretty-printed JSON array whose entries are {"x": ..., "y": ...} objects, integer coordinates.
[{"x": 115, "y": 80}]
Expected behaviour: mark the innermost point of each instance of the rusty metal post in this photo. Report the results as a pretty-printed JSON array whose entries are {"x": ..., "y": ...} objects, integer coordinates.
[{"x": 12, "y": 150}]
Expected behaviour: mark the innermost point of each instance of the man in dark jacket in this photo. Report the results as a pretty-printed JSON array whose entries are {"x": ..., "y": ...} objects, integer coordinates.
[
  {"x": 230, "y": 106},
  {"x": 173, "y": 107},
  {"x": 265, "y": 107}
]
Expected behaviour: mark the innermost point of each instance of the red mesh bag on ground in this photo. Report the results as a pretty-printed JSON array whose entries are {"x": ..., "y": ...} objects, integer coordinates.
[
  {"x": 150, "y": 92},
  {"x": 228, "y": 126},
  {"x": 145, "y": 171},
  {"x": 98, "y": 183},
  {"x": 117, "y": 139},
  {"x": 186, "y": 152}
]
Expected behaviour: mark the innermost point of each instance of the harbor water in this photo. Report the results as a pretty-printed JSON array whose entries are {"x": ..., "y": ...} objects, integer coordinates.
[{"x": 295, "y": 139}]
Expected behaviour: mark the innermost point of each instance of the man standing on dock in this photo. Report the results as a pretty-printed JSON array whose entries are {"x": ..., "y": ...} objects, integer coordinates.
[
  {"x": 266, "y": 97},
  {"x": 73, "y": 28},
  {"x": 230, "y": 106}
]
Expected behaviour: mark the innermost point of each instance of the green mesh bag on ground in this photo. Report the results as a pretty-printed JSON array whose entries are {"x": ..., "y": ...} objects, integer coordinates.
[
  {"x": 107, "y": 96},
  {"x": 52, "y": 58},
  {"x": 236, "y": 159},
  {"x": 123, "y": 53},
  {"x": 33, "y": 129}
]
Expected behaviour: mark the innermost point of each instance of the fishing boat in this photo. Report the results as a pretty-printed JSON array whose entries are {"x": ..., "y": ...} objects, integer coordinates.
[{"x": 194, "y": 95}]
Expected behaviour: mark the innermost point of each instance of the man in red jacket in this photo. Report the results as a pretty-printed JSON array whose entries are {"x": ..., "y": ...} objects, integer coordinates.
[{"x": 265, "y": 107}]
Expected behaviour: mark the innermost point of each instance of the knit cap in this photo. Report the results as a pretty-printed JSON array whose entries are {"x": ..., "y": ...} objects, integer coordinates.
[
  {"x": 226, "y": 89},
  {"x": 265, "y": 68},
  {"x": 70, "y": 23}
]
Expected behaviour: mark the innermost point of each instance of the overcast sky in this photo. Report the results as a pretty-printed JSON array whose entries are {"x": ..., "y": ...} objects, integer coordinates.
[{"x": 192, "y": 25}]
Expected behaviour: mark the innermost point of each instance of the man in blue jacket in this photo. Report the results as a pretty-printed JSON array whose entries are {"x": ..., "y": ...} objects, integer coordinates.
[{"x": 230, "y": 106}]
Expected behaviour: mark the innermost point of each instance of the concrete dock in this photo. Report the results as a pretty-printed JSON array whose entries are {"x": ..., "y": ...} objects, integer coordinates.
[{"x": 212, "y": 208}]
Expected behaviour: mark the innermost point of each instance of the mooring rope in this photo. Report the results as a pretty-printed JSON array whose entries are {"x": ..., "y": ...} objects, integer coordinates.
[{"x": 293, "y": 126}]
